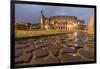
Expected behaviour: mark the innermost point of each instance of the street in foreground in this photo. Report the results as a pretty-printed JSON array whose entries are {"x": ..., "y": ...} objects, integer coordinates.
[{"x": 63, "y": 48}]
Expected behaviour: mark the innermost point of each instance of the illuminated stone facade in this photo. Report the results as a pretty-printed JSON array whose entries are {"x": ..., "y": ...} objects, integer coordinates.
[
  {"x": 90, "y": 24},
  {"x": 68, "y": 23}
]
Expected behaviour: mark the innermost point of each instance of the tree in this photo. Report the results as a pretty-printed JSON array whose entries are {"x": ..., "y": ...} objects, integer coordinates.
[
  {"x": 20, "y": 26},
  {"x": 28, "y": 27}
]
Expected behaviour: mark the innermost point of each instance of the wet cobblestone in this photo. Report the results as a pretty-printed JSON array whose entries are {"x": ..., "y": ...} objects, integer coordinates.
[{"x": 63, "y": 48}]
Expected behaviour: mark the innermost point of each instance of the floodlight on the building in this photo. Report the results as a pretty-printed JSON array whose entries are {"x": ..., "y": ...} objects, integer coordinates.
[
  {"x": 75, "y": 24},
  {"x": 46, "y": 26}
]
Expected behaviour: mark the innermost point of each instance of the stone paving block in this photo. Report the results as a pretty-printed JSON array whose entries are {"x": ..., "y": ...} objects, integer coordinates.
[
  {"x": 40, "y": 53},
  {"x": 67, "y": 50},
  {"x": 37, "y": 46},
  {"x": 29, "y": 43},
  {"x": 24, "y": 58},
  {"x": 28, "y": 49},
  {"x": 19, "y": 46},
  {"x": 18, "y": 52},
  {"x": 59, "y": 46},
  {"x": 90, "y": 42},
  {"x": 48, "y": 60},
  {"x": 90, "y": 45},
  {"x": 85, "y": 52},
  {"x": 70, "y": 44},
  {"x": 66, "y": 58},
  {"x": 20, "y": 41},
  {"x": 56, "y": 45},
  {"x": 85, "y": 60},
  {"x": 52, "y": 49}
]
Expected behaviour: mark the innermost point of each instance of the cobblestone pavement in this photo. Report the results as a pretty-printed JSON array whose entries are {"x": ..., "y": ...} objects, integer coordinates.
[{"x": 63, "y": 48}]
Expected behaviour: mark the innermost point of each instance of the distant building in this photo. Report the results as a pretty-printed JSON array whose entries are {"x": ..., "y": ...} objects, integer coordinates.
[
  {"x": 69, "y": 23},
  {"x": 90, "y": 24}
]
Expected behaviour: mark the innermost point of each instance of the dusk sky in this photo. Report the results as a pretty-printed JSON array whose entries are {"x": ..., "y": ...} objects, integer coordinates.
[{"x": 31, "y": 13}]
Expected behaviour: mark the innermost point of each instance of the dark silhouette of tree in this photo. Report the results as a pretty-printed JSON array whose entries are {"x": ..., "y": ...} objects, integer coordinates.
[
  {"x": 28, "y": 27},
  {"x": 20, "y": 26}
]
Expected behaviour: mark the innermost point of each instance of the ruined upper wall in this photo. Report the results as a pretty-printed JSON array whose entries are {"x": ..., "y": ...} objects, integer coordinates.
[{"x": 90, "y": 24}]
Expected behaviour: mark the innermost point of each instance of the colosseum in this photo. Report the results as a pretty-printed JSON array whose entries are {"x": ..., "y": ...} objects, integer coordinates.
[{"x": 68, "y": 23}]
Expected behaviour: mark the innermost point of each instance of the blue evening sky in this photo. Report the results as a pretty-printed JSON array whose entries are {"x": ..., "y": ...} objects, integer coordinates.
[{"x": 31, "y": 13}]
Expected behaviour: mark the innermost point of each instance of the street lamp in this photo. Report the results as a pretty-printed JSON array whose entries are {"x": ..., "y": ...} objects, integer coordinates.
[{"x": 27, "y": 29}]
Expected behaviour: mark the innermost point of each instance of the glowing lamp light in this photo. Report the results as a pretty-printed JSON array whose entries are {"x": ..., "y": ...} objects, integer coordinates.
[
  {"x": 46, "y": 26},
  {"x": 75, "y": 24},
  {"x": 52, "y": 22},
  {"x": 70, "y": 26}
]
